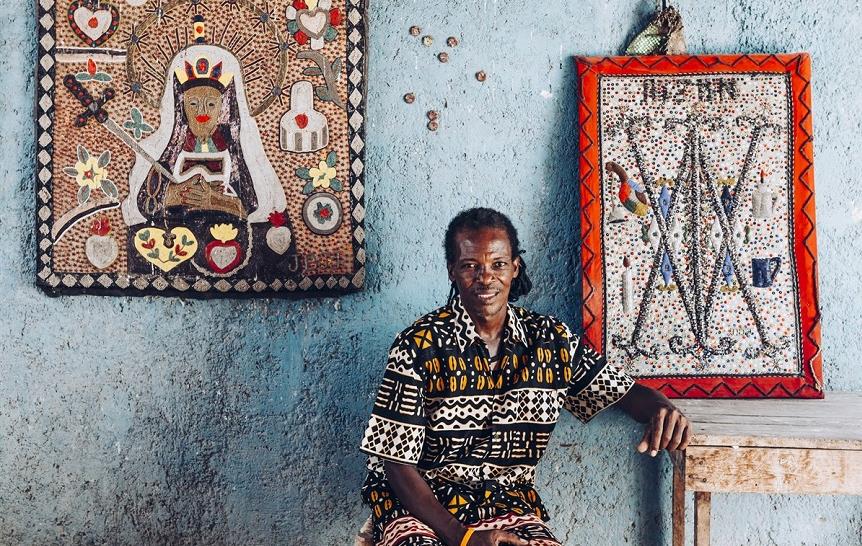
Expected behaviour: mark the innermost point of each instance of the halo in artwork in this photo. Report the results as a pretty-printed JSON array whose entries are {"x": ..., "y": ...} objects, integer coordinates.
[{"x": 165, "y": 32}]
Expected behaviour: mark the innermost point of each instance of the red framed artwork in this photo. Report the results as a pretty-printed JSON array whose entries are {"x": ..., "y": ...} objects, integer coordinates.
[{"x": 697, "y": 211}]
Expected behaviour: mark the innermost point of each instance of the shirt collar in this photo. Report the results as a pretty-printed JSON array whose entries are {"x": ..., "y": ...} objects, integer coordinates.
[{"x": 465, "y": 329}]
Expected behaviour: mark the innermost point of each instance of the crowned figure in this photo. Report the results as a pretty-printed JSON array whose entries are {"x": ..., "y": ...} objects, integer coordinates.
[{"x": 205, "y": 165}]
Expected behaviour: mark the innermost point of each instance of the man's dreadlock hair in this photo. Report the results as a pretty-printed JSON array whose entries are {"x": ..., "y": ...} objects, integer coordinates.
[{"x": 479, "y": 218}]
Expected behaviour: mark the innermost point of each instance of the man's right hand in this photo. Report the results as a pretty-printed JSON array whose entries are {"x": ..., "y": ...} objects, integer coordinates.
[{"x": 496, "y": 538}]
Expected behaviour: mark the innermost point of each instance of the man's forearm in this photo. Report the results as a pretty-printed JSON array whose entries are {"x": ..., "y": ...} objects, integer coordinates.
[
  {"x": 416, "y": 496},
  {"x": 641, "y": 403},
  {"x": 667, "y": 427}
]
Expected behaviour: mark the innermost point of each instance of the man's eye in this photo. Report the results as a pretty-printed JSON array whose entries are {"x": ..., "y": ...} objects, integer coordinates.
[{"x": 500, "y": 265}]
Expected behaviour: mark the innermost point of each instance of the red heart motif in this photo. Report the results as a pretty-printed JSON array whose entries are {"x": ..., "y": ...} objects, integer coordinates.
[
  {"x": 301, "y": 121},
  {"x": 93, "y": 6},
  {"x": 217, "y": 245}
]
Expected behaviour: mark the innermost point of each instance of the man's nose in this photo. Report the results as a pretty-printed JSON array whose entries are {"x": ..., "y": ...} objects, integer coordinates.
[{"x": 484, "y": 274}]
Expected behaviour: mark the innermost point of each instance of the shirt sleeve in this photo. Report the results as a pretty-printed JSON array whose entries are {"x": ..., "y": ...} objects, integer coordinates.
[
  {"x": 595, "y": 384},
  {"x": 396, "y": 429}
]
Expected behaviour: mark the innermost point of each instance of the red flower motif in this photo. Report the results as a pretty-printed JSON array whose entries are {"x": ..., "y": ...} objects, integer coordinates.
[
  {"x": 149, "y": 244},
  {"x": 91, "y": 67},
  {"x": 178, "y": 250},
  {"x": 301, "y": 37},
  {"x": 100, "y": 226},
  {"x": 277, "y": 219},
  {"x": 334, "y": 17},
  {"x": 325, "y": 213},
  {"x": 299, "y": 4}
]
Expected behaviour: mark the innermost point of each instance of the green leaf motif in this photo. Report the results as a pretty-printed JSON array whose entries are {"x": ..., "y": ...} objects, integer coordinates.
[
  {"x": 185, "y": 241},
  {"x": 71, "y": 171},
  {"x": 331, "y": 158},
  {"x": 144, "y": 235},
  {"x": 302, "y": 172},
  {"x": 331, "y": 34},
  {"x": 154, "y": 254},
  {"x": 146, "y": 128},
  {"x": 104, "y": 159},
  {"x": 137, "y": 117},
  {"x": 335, "y": 184},
  {"x": 129, "y": 124},
  {"x": 83, "y": 154},
  {"x": 309, "y": 187},
  {"x": 110, "y": 188},
  {"x": 336, "y": 66},
  {"x": 102, "y": 77},
  {"x": 83, "y": 194},
  {"x": 83, "y": 77},
  {"x": 292, "y": 27},
  {"x": 312, "y": 71}
]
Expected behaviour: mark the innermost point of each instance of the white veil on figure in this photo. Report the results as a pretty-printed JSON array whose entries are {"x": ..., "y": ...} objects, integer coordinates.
[{"x": 267, "y": 188}]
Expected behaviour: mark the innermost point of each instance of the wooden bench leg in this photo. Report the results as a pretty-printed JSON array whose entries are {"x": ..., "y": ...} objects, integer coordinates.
[
  {"x": 678, "y": 506},
  {"x": 702, "y": 501}
]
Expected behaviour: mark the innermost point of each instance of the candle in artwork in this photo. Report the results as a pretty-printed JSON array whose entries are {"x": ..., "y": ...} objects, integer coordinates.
[{"x": 627, "y": 289}]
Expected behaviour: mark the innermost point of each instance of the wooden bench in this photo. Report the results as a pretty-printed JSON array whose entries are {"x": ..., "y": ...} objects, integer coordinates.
[{"x": 766, "y": 446}]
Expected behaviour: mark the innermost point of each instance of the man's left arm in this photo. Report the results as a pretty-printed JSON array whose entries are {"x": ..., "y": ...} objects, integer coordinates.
[
  {"x": 667, "y": 428},
  {"x": 597, "y": 384}
]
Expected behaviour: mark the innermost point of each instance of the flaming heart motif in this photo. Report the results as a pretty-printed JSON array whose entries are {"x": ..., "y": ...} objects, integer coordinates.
[
  {"x": 93, "y": 22},
  {"x": 223, "y": 254}
]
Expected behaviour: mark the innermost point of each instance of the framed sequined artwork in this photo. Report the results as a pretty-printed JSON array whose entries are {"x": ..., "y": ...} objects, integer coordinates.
[
  {"x": 697, "y": 216},
  {"x": 210, "y": 147}
]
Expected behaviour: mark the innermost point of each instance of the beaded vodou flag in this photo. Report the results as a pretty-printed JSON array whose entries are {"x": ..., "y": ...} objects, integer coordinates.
[
  {"x": 698, "y": 222},
  {"x": 201, "y": 146}
]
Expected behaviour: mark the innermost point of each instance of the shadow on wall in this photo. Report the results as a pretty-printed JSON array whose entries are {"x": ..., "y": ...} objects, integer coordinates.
[{"x": 561, "y": 216}]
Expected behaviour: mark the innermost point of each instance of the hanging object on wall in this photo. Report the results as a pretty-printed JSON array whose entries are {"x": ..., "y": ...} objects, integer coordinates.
[
  {"x": 708, "y": 288},
  {"x": 170, "y": 135},
  {"x": 663, "y": 35}
]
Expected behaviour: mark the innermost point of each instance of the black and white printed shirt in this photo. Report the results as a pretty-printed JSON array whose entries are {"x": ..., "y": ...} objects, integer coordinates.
[{"x": 470, "y": 428}]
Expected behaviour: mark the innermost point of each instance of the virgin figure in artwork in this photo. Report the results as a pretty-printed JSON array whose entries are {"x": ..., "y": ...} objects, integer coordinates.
[{"x": 207, "y": 190}]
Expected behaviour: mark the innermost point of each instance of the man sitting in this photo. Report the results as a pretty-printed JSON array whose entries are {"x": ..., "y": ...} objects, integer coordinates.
[{"x": 469, "y": 398}]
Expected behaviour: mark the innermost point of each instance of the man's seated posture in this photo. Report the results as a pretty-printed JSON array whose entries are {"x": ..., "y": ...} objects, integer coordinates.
[{"x": 469, "y": 398}]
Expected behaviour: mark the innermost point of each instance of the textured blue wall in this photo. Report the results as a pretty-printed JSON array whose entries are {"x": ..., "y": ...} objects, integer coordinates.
[{"x": 157, "y": 420}]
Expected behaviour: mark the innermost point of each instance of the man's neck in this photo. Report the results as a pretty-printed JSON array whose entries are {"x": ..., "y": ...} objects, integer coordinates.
[{"x": 490, "y": 329}]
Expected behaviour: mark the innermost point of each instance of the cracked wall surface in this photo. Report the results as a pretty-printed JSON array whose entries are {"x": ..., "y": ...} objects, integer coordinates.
[{"x": 170, "y": 421}]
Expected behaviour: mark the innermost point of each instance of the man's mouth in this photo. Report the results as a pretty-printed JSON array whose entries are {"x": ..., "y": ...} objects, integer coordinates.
[
  {"x": 203, "y": 118},
  {"x": 486, "y": 295}
]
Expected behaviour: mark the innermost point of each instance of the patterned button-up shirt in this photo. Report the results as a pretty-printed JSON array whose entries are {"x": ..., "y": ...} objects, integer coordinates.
[{"x": 476, "y": 433}]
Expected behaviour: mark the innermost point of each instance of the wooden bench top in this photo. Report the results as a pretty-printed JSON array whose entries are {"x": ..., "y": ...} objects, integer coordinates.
[{"x": 834, "y": 422}]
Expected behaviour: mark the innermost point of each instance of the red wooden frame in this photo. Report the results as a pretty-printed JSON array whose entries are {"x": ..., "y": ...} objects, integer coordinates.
[{"x": 809, "y": 383}]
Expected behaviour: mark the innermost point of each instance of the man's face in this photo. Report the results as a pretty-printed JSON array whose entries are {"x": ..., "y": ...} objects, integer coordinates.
[
  {"x": 483, "y": 270},
  {"x": 203, "y": 107}
]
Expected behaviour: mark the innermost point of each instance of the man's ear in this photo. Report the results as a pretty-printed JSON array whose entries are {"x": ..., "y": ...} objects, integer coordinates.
[
  {"x": 449, "y": 268},
  {"x": 517, "y": 264}
]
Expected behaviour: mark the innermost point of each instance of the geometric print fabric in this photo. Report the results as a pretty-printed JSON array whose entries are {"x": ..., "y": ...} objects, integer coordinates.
[
  {"x": 469, "y": 428},
  {"x": 409, "y": 531}
]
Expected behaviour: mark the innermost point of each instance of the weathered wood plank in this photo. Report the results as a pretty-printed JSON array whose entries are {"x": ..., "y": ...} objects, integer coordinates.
[
  {"x": 835, "y": 404},
  {"x": 773, "y": 470},
  {"x": 678, "y": 507},
  {"x": 832, "y": 423},
  {"x": 702, "y": 505},
  {"x": 730, "y": 438}
]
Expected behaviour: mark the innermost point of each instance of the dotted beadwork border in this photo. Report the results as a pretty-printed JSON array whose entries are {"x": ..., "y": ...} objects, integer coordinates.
[{"x": 133, "y": 283}]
